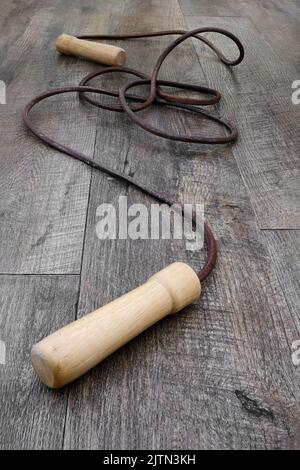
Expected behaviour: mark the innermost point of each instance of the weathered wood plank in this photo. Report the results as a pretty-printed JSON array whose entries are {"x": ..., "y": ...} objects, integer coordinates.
[
  {"x": 278, "y": 21},
  {"x": 46, "y": 194},
  {"x": 264, "y": 13},
  {"x": 12, "y": 30},
  {"x": 271, "y": 180},
  {"x": 219, "y": 375},
  {"x": 278, "y": 24},
  {"x": 32, "y": 416},
  {"x": 284, "y": 246}
]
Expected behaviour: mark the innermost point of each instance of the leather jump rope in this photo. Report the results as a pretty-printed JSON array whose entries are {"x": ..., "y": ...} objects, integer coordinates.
[{"x": 70, "y": 352}]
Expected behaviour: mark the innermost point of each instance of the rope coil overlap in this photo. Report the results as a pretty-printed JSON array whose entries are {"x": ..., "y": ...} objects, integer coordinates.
[{"x": 157, "y": 96}]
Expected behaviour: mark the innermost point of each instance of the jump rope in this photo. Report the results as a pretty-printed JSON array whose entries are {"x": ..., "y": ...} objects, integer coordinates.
[{"x": 70, "y": 352}]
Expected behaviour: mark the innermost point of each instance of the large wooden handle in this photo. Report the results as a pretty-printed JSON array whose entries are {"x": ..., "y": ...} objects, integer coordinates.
[
  {"x": 95, "y": 51},
  {"x": 70, "y": 352}
]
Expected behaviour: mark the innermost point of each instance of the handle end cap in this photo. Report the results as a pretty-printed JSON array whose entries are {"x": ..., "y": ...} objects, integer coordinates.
[{"x": 45, "y": 366}]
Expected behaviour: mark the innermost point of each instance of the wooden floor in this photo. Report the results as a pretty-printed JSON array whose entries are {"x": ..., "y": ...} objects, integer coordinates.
[{"x": 220, "y": 375}]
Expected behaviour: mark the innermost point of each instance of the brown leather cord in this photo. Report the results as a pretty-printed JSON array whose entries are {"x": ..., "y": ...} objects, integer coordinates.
[{"x": 156, "y": 96}]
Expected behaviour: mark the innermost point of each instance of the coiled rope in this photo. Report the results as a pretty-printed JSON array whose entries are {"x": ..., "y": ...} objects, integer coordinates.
[{"x": 156, "y": 96}]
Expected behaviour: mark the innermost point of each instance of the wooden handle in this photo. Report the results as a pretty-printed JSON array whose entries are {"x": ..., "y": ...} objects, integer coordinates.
[
  {"x": 70, "y": 352},
  {"x": 103, "y": 53}
]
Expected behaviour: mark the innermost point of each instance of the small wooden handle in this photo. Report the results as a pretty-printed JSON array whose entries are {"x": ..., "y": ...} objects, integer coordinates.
[
  {"x": 95, "y": 51},
  {"x": 71, "y": 351}
]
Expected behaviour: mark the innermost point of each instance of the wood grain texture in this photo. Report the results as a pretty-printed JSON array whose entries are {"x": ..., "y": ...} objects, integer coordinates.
[
  {"x": 220, "y": 375},
  {"x": 266, "y": 152},
  {"x": 44, "y": 195},
  {"x": 32, "y": 417},
  {"x": 70, "y": 352},
  {"x": 277, "y": 20},
  {"x": 90, "y": 50},
  {"x": 284, "y": 246}
]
